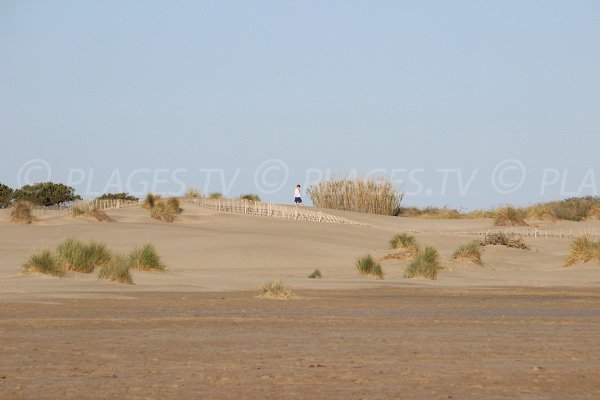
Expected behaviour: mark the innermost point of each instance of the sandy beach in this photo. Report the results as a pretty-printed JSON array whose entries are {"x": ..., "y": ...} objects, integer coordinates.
[{"x": 521, "y": 326}]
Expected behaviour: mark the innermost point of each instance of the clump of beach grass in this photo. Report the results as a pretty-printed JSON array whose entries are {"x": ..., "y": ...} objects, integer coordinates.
[
  {"x": 403, "y": 246},
  {"x": 250, "y": 197},
  {"x": 510, "y": 216},
  {"x": 275, "y": 290},
  {"x": 426, "y": 265},
  {"x": 469, "y": 253},
  {"x": 215, "y": 196},
  {"x": 75, "y": 256},
  {"x": 366, "y": 195},
  {"x": 583, "y": 249},
  {"x": 146, "y": 258},
  {"x": 150, "y": 200},
  {"x": 192, "y": 193},
  {"x": 21, "y": 212},
  {"x": 46, "y": 263},
  {"x": 316, "y": 274},
  {"x": 165, "y": 210},
  {"x": 368, "y": 266},
  {"x": 117, "y": 269},
  {"x": 91, "y": 211},
  {"x": 503, "y": 239}
]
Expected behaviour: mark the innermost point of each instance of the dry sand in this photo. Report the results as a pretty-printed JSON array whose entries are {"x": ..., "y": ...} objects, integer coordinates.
[{"x": 523, "y": 326}]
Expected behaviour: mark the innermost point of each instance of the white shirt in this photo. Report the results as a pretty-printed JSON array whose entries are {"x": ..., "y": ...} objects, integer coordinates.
[{"x": 297, "y": 192}]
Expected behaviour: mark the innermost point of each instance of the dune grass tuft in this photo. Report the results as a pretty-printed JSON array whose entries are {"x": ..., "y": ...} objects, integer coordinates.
[
  {"x": 468, "y": 254},
  {"x": 91, "y": 211},
  {"x": 117, "y": 269},
  {"x": 403, "y": 246},
  {"x": 275, "y": 290},
  {"x": 165, "y": 210},
  {"x": 250, "y": 197},
  {"x": 583, "y": 249},
  {"x": 21, "y": 212},
  {"x": 316, "y": 274},
  {"x": 426, "y": 265},
  {"x": 192, "y": 193},
  {"x": 80, "y": 257},
  {"x": 368, "y": 266},
  {"x": 150, "y": 201},
  {"x": 510, "y": 216},
  {"x": 503, "y": 239},
  {"x": 46, "y": 263},
  {"x": 145, "y": 258},
  {"x": 215, "y": 196}
]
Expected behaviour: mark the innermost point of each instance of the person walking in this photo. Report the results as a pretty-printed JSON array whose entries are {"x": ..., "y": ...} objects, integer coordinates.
[{"x": 298, "y": 195}]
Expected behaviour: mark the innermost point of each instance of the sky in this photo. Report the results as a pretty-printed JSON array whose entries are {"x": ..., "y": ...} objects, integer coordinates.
[{"x": 466, "y": 104}]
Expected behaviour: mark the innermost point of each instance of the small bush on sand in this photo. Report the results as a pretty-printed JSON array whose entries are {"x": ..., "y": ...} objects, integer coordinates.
[
  {"x": 98, "y": 253},
  {"x": 468, "y": 254},
  {"x": 46, "y": 263},
  {"x": 215, "y": 196},
  {"x": 316, "y": 274},
  {"x": 403, "y": 246},
  {"x": 275, "y": 290},
  {"x": 503, "y": 239},
  {"x": 368, "y": 266},
  {"x": 20, "y": 212},
  {"x": 426, "y": 265},
  {"x": 145, "y": 258},
  {"x": 150, "y": 200},
  {"x": 91, "y": 211},
  {"x": 117, "y": 269},
  {"x": 583, "y": 249},
  {"x": 192, "y": 193},
  {"x": 510, "y": 216},
  {"x": 173, "y": 205},
  {"x": 250, "y": 197}
]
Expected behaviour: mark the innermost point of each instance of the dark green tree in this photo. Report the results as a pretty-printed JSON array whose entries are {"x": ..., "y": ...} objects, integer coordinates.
[
  {"x": 46, "y": 193},
  {"x": 6, "y": 196}
]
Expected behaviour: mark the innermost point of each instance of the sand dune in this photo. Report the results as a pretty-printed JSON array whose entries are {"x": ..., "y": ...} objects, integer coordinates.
[{"x": 214, "y": 251}]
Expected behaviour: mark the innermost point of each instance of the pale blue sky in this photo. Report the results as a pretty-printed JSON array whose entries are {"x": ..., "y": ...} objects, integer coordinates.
[{"x": 398, "y": 86}]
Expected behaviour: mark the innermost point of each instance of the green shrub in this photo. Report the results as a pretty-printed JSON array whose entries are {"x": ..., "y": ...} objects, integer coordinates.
[
  {"x": 316, "y": 274},
  {"x": 117, "y": 196},
  {"x": 46, "y": 263},
  {"x": 145, "y": 258},
  {"x": 426, "y": 265},
  {"x": 21, "y": 212},
  {"x": 117, "y": 269},
  {"x": 46, "y": 193},
  {"x": 368, "y": 266},
  {"x": 468, "y": 253},
  {"x": 361, "y": 195},
  {"x": 250, "y": 197},
  {"x": 510, "y": 216}
]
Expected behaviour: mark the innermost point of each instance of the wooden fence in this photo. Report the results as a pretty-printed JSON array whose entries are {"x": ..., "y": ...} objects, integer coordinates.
[
  {"x": 57, "y": 211},
  {"x": 529, "y": 231},
  {"x": 297, "y": 213}
]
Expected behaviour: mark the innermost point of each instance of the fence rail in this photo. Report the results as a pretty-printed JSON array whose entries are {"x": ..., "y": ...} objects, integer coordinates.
[
  {"x": 58, "y": 211},
  {"x": 297, "y": 213},
  {"x": 531, "y": 232}
]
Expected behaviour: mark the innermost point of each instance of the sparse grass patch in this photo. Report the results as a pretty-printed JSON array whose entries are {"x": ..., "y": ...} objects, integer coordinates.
[
  {"x": 426, "y": 265},
  {"x": 91, "y": 211},
  {"x": 46, "y": 263},
  {"x": 510, "y": 216},
  {"x": 368, "y": 266},
  {"x": 117, "y": 269},
  {"x": 503, "y": 239},
  {"x": 468, "y": 253},
  {"x": 275, "y": 290},
  {"x": 583, "y": 249},
  {"x": 316, "y": 274},
  {"x": 20, "y": 212},
  {"x": 145, "y": 258},
  {"x": 215, "y": 196},
  {"x": 98, "y": 253}
]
